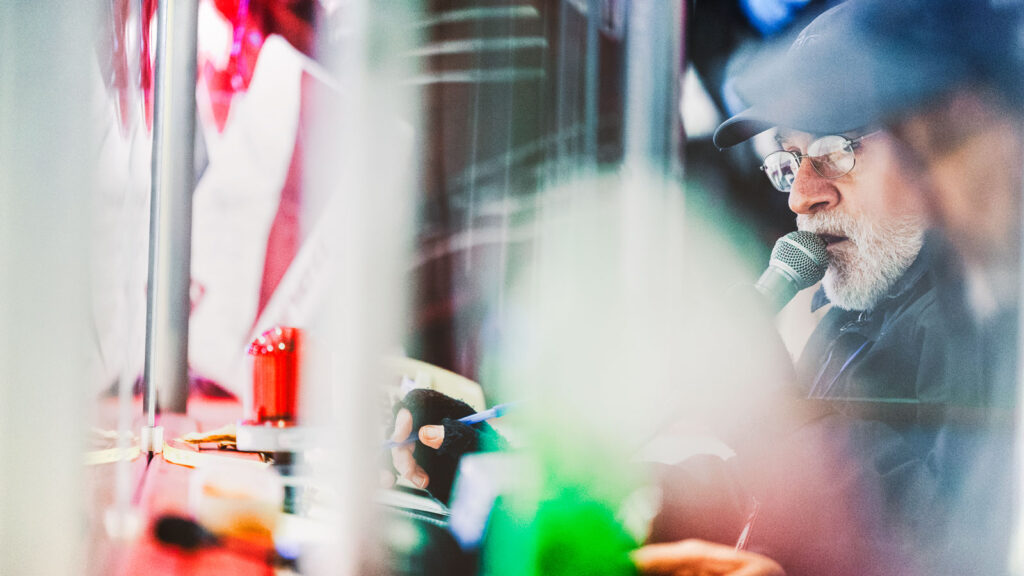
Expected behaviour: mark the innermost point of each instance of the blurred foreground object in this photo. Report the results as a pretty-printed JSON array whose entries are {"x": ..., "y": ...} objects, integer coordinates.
[
  {"x": 47, "y": 184},
  {"x": 237, "y": 498},
  {"x": 624, "y": 325}
]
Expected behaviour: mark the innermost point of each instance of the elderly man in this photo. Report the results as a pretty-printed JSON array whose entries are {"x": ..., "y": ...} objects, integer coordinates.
[
  {"x": 944, "y": 80},
  {"x": 844, "y": 493},
  {"x": 846, "y": 180},
  {"x": 882, "y": 357}
]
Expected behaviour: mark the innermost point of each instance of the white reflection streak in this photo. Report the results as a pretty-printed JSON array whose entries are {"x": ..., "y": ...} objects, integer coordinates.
[
  {"x": 510, "y": 107},
  {"x": 331, "y": 375},
  {"x": 480, "y": 45},
  {"x": 483, "y": 76},
  {"x": 478, "y": 237},
  {"x": 472, "y": 14},
  {"x": 474, "y": 135}
]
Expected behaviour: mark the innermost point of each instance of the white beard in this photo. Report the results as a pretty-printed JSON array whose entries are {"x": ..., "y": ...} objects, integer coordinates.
[{"x": 864, "y": 268}]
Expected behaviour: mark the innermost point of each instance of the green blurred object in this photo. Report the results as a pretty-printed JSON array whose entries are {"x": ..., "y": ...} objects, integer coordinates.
[
  {"x": 564, "y": 520},
  {"x": 570, "y": 534},
  {"x": 579, "y": 535}
]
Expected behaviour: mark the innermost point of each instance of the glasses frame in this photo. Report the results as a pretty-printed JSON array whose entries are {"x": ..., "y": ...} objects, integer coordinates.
[{"x": 851, "y": 143}]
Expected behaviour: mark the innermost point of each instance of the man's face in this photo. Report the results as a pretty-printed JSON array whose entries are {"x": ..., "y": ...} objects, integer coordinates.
[{"x": 871, "y": 219}]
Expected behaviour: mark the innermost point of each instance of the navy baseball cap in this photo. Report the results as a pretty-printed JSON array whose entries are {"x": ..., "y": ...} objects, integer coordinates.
[{"x": 864, "y": 61}]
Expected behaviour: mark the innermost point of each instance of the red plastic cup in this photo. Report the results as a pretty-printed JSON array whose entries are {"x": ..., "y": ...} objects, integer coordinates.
[{"x": 277, "y": 365}]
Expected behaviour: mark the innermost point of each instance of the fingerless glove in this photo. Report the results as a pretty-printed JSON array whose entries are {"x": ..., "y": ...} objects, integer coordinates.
[{"x": 431, "y": 407}]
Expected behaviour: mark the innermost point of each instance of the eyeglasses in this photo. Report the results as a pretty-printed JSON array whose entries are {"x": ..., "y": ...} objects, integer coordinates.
[{"x": 831, "y": 156}]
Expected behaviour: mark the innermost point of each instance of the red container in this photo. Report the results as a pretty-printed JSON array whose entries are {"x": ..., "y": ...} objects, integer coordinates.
[{"x": 277, "y": 365}]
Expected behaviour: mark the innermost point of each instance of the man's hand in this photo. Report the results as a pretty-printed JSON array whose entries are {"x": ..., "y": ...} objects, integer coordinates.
[
  {"x": 701, "y": 558},
  {"x": 432, "y": 462},
  {"x": 401, "y": 456}
]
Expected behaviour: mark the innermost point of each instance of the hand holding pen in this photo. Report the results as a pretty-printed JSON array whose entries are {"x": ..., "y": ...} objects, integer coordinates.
[
  {"x": 433, "y": 435},
  {"x": 446, "y": 429}
]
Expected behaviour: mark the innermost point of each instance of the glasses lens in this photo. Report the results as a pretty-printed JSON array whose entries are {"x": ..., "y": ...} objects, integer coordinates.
[
  {"x": 781, "y": 167},
  {"x": 831, "y": 156}
]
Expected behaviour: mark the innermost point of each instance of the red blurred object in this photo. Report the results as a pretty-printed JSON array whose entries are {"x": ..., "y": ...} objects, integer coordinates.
[
  {"x": 123, "y": 43},
  {"x": 252, "y": 21},
  {"x": 292, "y": 19},
  {"x": 276, "y": 374},
  {"x": 147, "y": 66}
]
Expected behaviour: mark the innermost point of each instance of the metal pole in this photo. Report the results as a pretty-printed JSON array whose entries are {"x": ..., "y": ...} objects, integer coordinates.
[
  {"x": 173, "y": 181},
  {"x": 651, "y": 164},
  {"x": 591, "y": 86},
  {"x": 653, "y": 70},
  {"x": 561, "y": 91}
]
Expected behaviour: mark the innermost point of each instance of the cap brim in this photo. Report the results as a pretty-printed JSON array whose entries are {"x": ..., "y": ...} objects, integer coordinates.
[{"x": 740, "y": 128}]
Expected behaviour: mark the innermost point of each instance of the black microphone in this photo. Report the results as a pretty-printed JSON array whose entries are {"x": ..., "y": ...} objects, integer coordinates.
[{"x": 798, "y": 261}]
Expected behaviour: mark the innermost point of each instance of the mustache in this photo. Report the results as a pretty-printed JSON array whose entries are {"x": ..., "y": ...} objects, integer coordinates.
[{"x": 830, "y": 223}]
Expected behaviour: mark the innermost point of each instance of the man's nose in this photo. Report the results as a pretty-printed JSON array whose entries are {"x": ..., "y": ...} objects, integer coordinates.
[{"x": 812, "y": 192}]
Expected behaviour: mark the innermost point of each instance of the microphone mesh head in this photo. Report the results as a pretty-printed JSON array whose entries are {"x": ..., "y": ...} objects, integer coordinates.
[{"x": 804, "y": 253}]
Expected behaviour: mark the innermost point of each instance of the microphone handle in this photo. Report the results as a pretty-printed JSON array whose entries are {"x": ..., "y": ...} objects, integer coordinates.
[{"x": 777, "y": 287}]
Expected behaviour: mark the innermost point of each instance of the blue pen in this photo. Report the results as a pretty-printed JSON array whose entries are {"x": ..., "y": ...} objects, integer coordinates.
[{"x": 495, "y": 412}]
